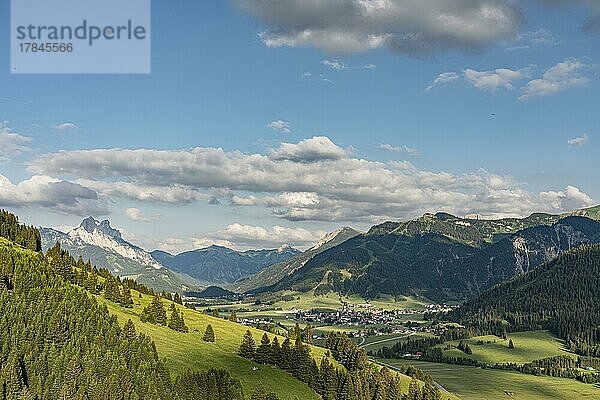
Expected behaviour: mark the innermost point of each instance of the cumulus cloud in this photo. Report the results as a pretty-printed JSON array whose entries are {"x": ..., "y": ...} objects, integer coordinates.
[
  {"x": 168, "y": 194},
  {"x": 399, "y": 149},
  {"x": 318, "y": 148},
  {"x": 134, "y": 214},
  {"x": 564, "y": 75},
  {"x": 579, "y": 141},
  {"x": 442, "y": 79},
  {"x": 403, "y": 26},
  {"x": 11, "y": 143},
  {"x": 492, "y": 80},
  {"x": 51, "y": 193},
  {"x": 500, "y": 78},
  {"x": 244, "y": 237},
  {"x": 66, "y": 127},
  {"x": 311, "y": 180},
  {"x": 280, "y": 125}
]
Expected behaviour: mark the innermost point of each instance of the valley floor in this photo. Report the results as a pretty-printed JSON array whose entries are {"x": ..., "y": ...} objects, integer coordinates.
[{"x": 472, "y": 383}]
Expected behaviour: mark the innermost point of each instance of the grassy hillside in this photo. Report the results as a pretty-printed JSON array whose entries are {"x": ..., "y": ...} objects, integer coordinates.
[
  {"x": 187, "y": 350},
  {"x": 471, "y": 383},
  {"x": 529, "y": 346}
]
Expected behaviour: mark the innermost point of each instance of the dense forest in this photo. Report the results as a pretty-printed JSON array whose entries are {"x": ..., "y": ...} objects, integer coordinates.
[
  {"x": 359, "y": 381},
  {"x": 562, "y": 296},
  {"x": 26, "y": 236}
]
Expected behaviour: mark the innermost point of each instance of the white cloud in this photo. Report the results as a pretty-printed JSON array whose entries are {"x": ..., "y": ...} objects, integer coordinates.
[
  {"x": 562, "y": 76},
  {"x": 443, "y": 78},
  {"x": 399, "y": 149},
  {"x": 168, "y": 194},
  {"x": 579, "y": 141},
  {"x": 280, "y": 125},
  {"x": 340, "y": 66},
  {"x": 527, "y": 40},
  {"x": 53, "y": 194},
  {"x": 243, "y": 237},
  {"x": 11, "y": 143},
  {"x": 500, "y": 78},
  {"x": 335, "y": 65},
  {"x": 311, "y": 180},
  {"x": 134, "y": 214},
  {"x": 404, "y": 26},
  {"x": 66, "y": 126},
  {"x": 318, "y": 148}
]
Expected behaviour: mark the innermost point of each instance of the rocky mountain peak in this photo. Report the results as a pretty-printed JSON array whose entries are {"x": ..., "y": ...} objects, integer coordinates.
[{"x": 90, "y": 224}]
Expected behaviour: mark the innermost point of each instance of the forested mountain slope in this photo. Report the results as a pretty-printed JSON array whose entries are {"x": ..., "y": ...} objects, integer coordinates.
[
  {"x": 562, "y": 296},
  {"x": 274, "y": 273},
  {"x": 435, "y": 265}
]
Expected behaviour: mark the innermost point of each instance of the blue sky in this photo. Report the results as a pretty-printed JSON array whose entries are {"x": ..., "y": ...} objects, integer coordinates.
[{"x": 331, "y": 117}]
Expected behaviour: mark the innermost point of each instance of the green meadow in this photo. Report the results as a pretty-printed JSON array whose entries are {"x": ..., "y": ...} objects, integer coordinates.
[
  {"x": 472, "y": 383},
  {"x": 528, "y": 346}
]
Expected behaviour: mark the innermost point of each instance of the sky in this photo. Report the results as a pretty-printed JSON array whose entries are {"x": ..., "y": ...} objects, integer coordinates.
[{"x": 276, "y": 121}]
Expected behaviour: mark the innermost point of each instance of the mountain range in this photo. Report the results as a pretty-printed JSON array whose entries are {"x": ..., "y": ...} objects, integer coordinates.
[
  {"x": 274, "y": 273},
  {"x": 104, "y": 246},
  {"x": 440, "y": 256},
  {"x": 221, "y": 265}
]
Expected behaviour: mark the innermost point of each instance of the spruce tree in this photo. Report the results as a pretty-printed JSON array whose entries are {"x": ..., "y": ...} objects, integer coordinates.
[
  {"x": 177, "y": 299},
  {"x": 209, "y": 334},
  {"x": 155, "y": 312},
  {"x": 263, "y": 352},
  {"x": 176, "y": 321},
  {"x": 126, "y": 299},
  {"x": 275, "y": 352},
  {"x": 129, "y": 330},
  {"x": 511, "y": 345},
  {"x": 308, "y": 334},
  {"x": 247, "y": 348},
  {"x": 215, "y": 313},
  {"x": 233, "y": 316}
]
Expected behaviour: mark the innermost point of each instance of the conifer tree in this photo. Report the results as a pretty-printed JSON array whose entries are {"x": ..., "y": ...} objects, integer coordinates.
[
  {"x": 155, "y": 312},
  {"x": 126, "y": 299},
  {"x": 233, "y": 316},
  {"x": 511, "y": 345},
  {"x": 263, "y": 352},
  {"x": 176, "y": 321},
  {"x": 209, "y": 334},
  {"x": 247, "y": 348},
  {"x": 129, "y": 330},
  {"x": 177, "y": 299},
  {"x": 275, "y": 352},
  {"x": 308, "y": 334},
  {"x": 215, "y": 313}
]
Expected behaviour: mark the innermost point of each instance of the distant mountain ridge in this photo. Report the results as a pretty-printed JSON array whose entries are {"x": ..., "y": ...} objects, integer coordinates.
[
  {"x": 221, "y": 265},
  {"x": 276, "y": 272},
  {"x": 440, "y": 256},
  {"x": 104, "y": 245}
]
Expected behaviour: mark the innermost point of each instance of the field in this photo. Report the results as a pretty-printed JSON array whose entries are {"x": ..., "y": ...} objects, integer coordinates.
[
  {"x": 529, "y": 346},
  {"x": 471, "y": 383},
  {"x": 333, "y": 301}
]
